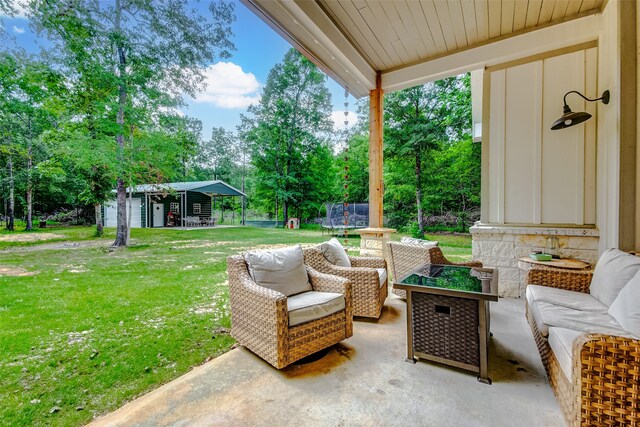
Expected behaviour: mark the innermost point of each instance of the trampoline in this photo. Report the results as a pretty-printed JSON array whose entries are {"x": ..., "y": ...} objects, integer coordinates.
[{"x": 334, "y": 221}]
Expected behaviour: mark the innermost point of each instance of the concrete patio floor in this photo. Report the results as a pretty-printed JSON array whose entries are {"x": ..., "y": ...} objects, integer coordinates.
[{"x": 363, "y": 381}]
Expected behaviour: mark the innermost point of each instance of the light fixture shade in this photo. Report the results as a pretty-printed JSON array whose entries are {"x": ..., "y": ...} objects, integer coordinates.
[{"x": 569, "y": 119}]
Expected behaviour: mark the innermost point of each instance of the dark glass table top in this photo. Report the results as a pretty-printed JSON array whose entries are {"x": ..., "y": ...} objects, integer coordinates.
[{"x": 451, "y": 277}]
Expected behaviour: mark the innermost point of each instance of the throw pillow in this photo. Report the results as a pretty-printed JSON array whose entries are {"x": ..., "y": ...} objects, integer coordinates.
[
  {"x": 613, "y": 271},
  {"x": 282, "y": 270},
  {"x": 626, "y": 307},
  {"x": 418, "y": 242},
  {"x": 334, "y": 252}
]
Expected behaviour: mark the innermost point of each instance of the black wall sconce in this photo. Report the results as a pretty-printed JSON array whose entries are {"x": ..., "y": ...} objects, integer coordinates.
[{"x": 570, "y": 118}]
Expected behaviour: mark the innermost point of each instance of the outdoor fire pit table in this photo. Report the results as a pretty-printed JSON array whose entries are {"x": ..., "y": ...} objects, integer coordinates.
[{"x": 448, "y": 315}]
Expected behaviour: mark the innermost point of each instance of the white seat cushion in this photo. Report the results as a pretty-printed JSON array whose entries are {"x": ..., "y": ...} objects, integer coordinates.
[
  {"x": 418, "y": 242},
  {"x": 282, "y": 270},
  {"x": 313, "y": 305},
  {"x": 546, "y": 315},
  {"x": 613, "y": 271},
  {"x": 571, "y": 299},
  {"x": 561, "y": 343},
  {"x": 382, "y": 274},
  {"x": 334, "y": 252},
  {"x": 626, "y": 307}
]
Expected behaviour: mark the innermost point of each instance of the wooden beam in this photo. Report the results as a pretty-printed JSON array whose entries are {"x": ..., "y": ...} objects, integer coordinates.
[
  {"x": 529, "y": 43},
  {"x": 627, "y": 125},
  {"x": 376, "y": 183}
]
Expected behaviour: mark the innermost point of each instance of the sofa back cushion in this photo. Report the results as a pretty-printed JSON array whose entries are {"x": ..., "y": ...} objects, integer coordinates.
[
  {"x": 626, "y": 307},
  {"x": 613, "y": 271},
  {"x": 282, "y": 270},
  {"x": 334, "y": 252},
  {"x": 418, "y": 242}
]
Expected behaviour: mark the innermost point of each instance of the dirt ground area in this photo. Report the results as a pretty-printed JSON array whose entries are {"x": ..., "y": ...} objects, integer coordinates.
[
  {"x": 16, "y": 271},
  {"x": 30, "y": 237}
]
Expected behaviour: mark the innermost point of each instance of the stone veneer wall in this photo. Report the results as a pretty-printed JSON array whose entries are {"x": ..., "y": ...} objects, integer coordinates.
[{"x": 500, "y": 246}]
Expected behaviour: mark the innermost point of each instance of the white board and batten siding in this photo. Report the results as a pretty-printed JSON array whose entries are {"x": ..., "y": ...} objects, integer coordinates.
[
  {"x": 110, "y": 213},
  {"x": 536, "y": 175}
]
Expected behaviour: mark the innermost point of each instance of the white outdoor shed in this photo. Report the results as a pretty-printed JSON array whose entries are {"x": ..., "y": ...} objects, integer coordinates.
[{"x": 578, "y": 184}]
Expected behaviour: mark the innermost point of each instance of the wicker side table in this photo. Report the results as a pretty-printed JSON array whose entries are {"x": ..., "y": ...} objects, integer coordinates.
[{"x": 448, "y": 316}]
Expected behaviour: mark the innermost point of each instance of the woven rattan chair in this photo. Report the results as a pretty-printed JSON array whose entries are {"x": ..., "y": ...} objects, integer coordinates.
[
  {"x": 605, "y": 376},
  {"x": 368, "y": 293},
  {"x": 405, "y": 258},
  {"x": 260, "y": 319}
]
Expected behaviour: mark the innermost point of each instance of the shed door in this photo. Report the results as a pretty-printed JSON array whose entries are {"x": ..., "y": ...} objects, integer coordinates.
[{"x": 110, "y": 213}]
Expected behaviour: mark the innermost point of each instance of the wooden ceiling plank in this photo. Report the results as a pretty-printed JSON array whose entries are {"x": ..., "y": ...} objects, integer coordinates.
[
  {"x": 352, "y": 11},
  {"x": 482, "y": 19},
  {"x": 589, "y": 4},
  {"x": 506, "y": 19},
  {"x": 469, "y": 16},
  {"x": 457, "y": 21},
  {"x": 560, "y": 9},
  {"x": 520, "y": 15},
  {"x": 442, "y": 9},
  {"x": 419, "y": 30},
  {"x": 379, "y": 23},
  {"x": 378, "y": 34},
  {"x": 431, "y": 16},
  {"x": 574, "y": 7},
  {"x": 546, "y": 11},
  {"x": 533, "y": 13},
  {"x": 408, "y": 44},
  {"x": 345, "y": 20},
  {"x": 495, "y": 18}
]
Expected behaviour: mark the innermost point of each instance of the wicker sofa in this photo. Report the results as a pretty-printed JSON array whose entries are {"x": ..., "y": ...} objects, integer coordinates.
[
  {"x": 261, "y": 317},
  {"x": 368, "y": 277},
  {"x": 407, "y": 255},
  {"x": 592, "y": 361}
]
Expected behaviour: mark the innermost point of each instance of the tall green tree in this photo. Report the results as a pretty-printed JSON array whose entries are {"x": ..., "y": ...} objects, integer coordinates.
[
  {"x": 142, "y": 52},
  {"x": 419, "y": 118},
  {"x": 216, "y": 156},
  {"x": 288, "y": 125}
]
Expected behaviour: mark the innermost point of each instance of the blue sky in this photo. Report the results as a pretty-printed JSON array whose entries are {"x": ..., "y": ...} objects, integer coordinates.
[{"x": 233, "y": 83}]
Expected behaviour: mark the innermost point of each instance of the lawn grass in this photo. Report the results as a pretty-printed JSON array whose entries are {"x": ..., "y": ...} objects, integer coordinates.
[{"x": 94, "y": 329}]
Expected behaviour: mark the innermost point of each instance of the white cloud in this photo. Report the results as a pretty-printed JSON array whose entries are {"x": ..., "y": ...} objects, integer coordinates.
[
  {"x": 18, "y": 30},
  {"x": 228, "y": 86},
  {"x": 338, "y": 120}
]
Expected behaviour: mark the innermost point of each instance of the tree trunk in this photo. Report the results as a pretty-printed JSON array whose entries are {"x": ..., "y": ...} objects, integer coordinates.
[
  {"x": 130, "y": 212},
  {"x": 121, "y": 190},
  {"x": 285, "y": 213},
  {"x": 99, "y": 229},
  {"x": 419, "y": 193},
  {"x": 243, "y": 201},
  {"x": 10, "y": 209},
  {"x": 29, "y": 226},
  {"x": 276, "y": 211}
]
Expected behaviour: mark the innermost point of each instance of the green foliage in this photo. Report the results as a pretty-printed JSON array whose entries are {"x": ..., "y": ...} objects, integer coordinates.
[
  {"x": 286, "y": 131},
  {"x": 141, "y": 57},
  {"x": 431, "y": 165}
]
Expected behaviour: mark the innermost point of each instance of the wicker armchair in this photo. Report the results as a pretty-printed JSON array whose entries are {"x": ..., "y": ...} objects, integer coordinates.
[
  {"x": 605, "y": 374},
  {"x": 260, "y": 318},
  {"x": 405, "y": 258},
  {"x": 368, "y": 294}
]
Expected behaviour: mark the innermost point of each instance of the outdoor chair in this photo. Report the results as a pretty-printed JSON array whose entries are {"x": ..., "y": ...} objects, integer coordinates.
[
  {"x": 409, "y": 254},
  {"x": 586, "y": 324},
  {"x": 283, "y": 310},
  {"x": 368, "y": 275}
]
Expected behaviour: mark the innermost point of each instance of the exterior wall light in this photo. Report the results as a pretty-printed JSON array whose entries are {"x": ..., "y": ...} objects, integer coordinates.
[{"x": 570, "y": 118}]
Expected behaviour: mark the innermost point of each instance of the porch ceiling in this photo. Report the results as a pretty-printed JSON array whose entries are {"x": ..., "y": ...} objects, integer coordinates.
[{"x": 354, "y": 39}]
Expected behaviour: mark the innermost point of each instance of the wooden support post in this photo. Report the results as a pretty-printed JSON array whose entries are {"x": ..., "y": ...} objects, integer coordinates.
[
  {"x": 376, "y": 184},
  {"x": 374, "y": 237}
]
